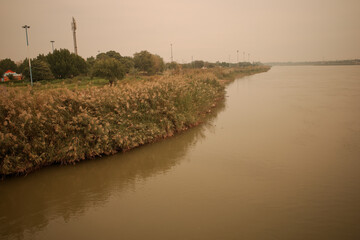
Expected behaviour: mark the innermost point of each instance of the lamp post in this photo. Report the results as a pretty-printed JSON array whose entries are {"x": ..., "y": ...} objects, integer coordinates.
[
  {"x": 27, "y": 44},
  {"x": 52, "y": 44},
  {"x": 171, "y": 52}
]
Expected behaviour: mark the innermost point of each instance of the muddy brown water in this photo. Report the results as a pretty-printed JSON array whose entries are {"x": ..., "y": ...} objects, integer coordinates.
[{"x": 280, "y": 159}]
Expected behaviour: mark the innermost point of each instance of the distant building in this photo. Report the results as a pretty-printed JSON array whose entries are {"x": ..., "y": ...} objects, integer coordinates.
[{"x": 16, "y": 76}]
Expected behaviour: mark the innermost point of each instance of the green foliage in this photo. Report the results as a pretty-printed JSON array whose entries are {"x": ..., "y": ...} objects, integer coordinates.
[
  {"x": 209, "y": 65},
  {"x": 41, "y": 57},
  {"x": 40, "y": 71},
  {"x": 80, "y": 65},
  {"x": 110, "y": 54},
  {"x": 2, "y": 71},
  {"x": 148, "y": 63},
  {"x": 21, "y": 68},
  {"x": 108, "y": 68},
  {"x": 64, "y": 64},
  {"x": 198, "y": 64},
  {"x": 8, "y": 64},
  {"x": 172, "y": 66},
  {"x": 127, "y": 62},
  {"x": 158, "y": 64},
  {"x": 90, "y": 62}
]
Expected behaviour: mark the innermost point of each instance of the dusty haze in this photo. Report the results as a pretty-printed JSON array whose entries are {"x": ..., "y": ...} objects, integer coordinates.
[{"x": 278, "y": 30}]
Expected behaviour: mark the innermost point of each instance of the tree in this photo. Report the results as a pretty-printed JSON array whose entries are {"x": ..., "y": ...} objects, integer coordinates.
[
  {"x": 90, "y": 61},
  {"x": 108, "y": 68},
  {"x": 127, "y": 62},
  {"x": 80, "y": 65},
  {"x": 198, "y": 64},
  {"x": 41, "y": 57},
  {"x": 21, "y": 67},
  {"x": 158, "y": 64},
  {"x": 64, "y": 64},
  {"x": 8, "y": 64},
  {"x": 149, "y": 63},
  {"x": 111, "y": 54},
  {"x": 209, "y": 65},
  {"x": 40, "y": 71},
  {"x": 172, "y": 66}
]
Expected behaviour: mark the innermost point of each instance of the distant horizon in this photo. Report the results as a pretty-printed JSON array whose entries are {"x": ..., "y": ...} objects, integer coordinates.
[
  {"x": 264, "y": 62},
  {"x": 315, "y": 61}
]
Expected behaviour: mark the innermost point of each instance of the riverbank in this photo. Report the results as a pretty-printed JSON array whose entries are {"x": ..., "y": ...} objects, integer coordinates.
[{"x": 62, "y": 126}]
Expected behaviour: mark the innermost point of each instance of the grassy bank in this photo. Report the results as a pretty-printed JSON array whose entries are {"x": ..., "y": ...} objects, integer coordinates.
[{"x": 39, "y": 128}]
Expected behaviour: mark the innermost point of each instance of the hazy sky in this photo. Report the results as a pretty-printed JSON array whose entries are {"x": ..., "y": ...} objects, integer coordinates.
[{"x": 211, "y": 30}]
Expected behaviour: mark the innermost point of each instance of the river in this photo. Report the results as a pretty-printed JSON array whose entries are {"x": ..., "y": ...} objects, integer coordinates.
[{"x": 279, "y": 159}]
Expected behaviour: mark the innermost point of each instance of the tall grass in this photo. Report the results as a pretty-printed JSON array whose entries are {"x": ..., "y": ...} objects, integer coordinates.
[
  {"x": 39, "y": 128},
  {"x": 63, "y": 126}
]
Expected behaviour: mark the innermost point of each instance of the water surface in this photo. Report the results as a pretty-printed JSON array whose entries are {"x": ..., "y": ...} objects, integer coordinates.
[{"x": 280, "y": 160}]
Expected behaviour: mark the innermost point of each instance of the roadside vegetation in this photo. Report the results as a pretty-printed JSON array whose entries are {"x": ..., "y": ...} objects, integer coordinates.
[{"x": 66, "y": 120}]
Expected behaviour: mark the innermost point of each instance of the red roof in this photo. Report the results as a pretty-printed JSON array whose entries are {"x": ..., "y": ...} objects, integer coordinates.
[{"x": 9, "y": 71}]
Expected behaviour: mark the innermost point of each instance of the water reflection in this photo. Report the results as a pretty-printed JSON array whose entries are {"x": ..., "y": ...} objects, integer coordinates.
[{"x": 29, "y": 203}]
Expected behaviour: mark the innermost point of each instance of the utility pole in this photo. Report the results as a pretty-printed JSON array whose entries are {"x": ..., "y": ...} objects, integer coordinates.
[
  {"x": 237, "y": 56},
  {"x": 73, "y": 27},
  {"x": 52, "y": 44},
  {"x": 244, "y": 56},
  {"x": 171, "y": 52},
  {"x": 28, "y": 52},
  {"x": 248, "y": 57}
]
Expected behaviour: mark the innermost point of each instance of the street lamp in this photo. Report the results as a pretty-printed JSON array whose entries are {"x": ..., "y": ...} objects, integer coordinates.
[
  {"x": 171, "y": 52},
  {"x": 52, "y": 43},
  {"x": 27, "y": 44}
]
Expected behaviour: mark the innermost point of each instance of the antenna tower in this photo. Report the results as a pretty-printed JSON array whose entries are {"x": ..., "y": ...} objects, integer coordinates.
[{"x": 73, "y": 27}]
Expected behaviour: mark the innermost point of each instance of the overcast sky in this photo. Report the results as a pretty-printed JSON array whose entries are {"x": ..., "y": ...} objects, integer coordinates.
[{"x": 211, "y": 30}]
